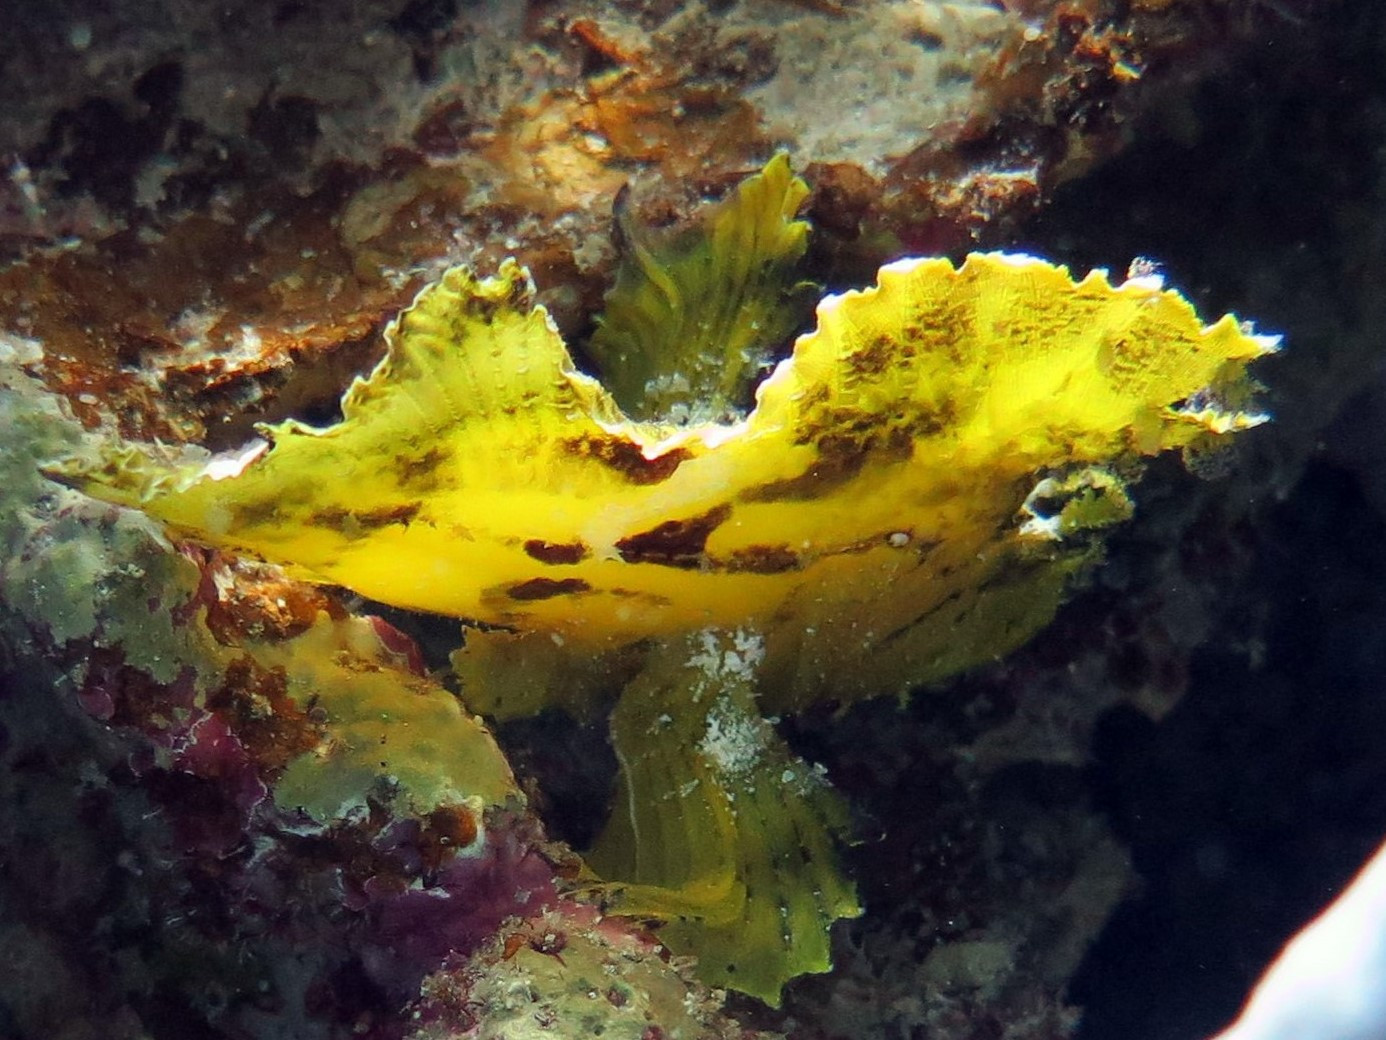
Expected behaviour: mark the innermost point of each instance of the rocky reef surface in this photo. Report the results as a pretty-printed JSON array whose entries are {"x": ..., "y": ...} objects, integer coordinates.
[{"x": 239, "y": 805}]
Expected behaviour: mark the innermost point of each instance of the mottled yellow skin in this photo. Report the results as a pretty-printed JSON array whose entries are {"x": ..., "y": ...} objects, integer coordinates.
[
  {"x": 878, "y": 480},
  {"x": 908, "y": 497}
]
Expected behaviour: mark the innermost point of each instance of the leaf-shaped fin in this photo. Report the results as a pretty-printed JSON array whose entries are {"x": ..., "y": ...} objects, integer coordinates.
[
  {"x": 868, "y": 517},
  {"x": 443, "y": 454},
  {"x": 384, "y": 728},
  {"x": 718, "y": 829},
  {"x": 691, "y": 319},
  {"x": 509, "y": 675}
]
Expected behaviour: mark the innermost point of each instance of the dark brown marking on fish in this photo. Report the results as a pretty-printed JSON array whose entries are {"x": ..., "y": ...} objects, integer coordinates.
[
  {"x": 355, "y": 524},
  {"x": 838, "y": 462},
  {"x": 253, "y": 514},
  {"x": 883, "y": 352},
  {"x": 764, "y": 559},
  {"x": 547, "y": 588},
  {"x": 420, "y": 473},
  {"x": 555, "y": 552},
  {"x": 485, "y": 308},
  {"x": 674, "y": 543},
  {"x": 387, "y": 516},
  {"x": 330, "y": 516},
  {"x": 627, "y": 459},
  {"x": 809, "y": 411},
  {"x": 855, "y": 438}
]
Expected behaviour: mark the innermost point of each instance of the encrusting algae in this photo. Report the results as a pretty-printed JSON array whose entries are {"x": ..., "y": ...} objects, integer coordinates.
[{"x": 909, "y": 496}]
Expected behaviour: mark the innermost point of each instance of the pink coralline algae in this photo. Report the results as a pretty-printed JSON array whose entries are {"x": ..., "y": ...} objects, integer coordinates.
[{"x": 460, "y": 905}]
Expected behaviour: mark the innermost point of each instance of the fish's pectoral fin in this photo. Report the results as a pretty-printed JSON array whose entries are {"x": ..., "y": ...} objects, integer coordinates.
[{"x": 718, "y": 829}]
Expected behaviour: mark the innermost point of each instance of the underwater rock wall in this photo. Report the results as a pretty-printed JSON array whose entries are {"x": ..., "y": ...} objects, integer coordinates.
[
  {"x": 267, "y": 200},
  {"x": 207, "y": 222}
]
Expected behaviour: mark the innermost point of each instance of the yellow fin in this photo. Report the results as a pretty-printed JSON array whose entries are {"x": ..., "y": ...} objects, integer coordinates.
[
  {"x": 869, "y": 516},
  {"x": 688, "y": 324},
  {"x": 510, "y": 675},
  {"x": 718, "y": 828}
]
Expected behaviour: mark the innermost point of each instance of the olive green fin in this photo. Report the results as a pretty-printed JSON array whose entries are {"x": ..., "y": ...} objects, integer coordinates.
[
  {"x": 692, "y": 317},
  {"x": 718, "y": 829}
]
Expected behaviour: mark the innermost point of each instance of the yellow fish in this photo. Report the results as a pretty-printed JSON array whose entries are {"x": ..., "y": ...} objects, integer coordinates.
[{"x": 908, "y": 496}]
